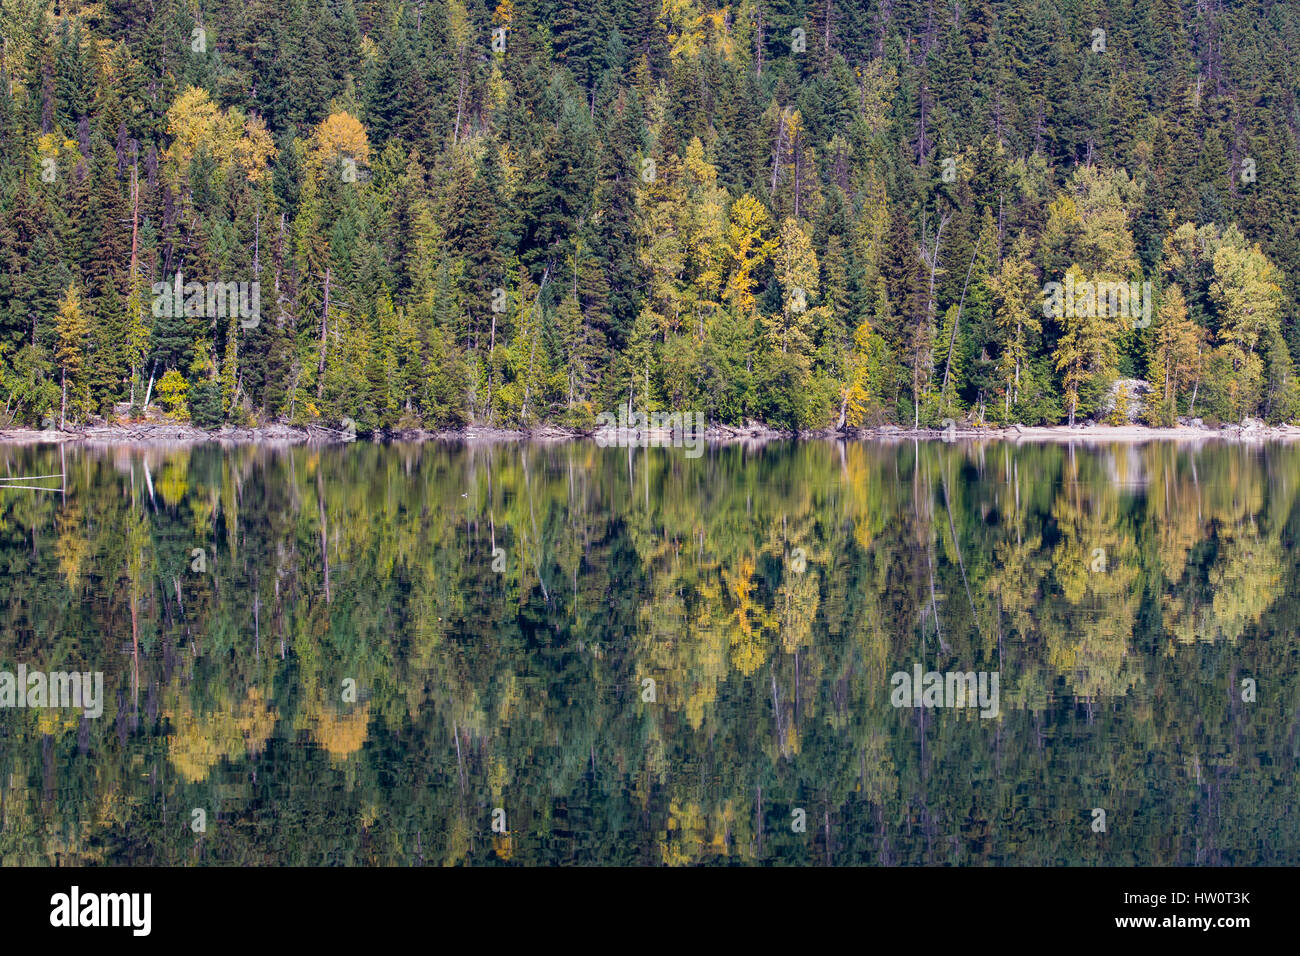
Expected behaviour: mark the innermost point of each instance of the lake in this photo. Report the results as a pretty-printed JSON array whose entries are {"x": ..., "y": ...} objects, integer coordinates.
[{"x": 567, "y": 654}]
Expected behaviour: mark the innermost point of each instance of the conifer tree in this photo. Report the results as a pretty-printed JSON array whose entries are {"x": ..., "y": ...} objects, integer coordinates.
[{"x": 73, "y": 330}]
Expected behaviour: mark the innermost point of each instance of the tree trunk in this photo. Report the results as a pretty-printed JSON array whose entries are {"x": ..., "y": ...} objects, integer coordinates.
[
  {"x": 1191, "y": 411},
  {"x": 779, "y": 151},
  {"x": 1017, "y": 391},
  {"x": 135, "y": 236},
  {"x": 149, "y": 391},
  {"x": 952, "y": 339},
  {"x": 460, "y": 97}
]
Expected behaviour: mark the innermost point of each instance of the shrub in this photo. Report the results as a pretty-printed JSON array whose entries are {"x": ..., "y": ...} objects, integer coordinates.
[{"x": 171, "y": 391}]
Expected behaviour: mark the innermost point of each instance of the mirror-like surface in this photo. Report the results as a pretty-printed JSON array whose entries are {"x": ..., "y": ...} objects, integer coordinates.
[{"x": 355, "y": 655}]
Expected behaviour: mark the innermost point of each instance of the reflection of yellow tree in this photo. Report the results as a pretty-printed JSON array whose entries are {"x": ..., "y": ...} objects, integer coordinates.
[
  {"x": 1097, "y": 565},
  {"x": 200, "y": 741},
  {"x": 749, "y": 620},
  {"x": 457, "y": 840},
  {"x": 796, "y": 609},
  {"x": 865, "y": 507},
  {"x": 692, "y": 835},
  {"x": 687, "y": 655},
  {"x": 73, "y": 547},
  {"x": 1174, "y": 510},
  {"x": 340, "y": 733},
  {"x": 1019, "y": 570},
  {"x": 1246, "y": 576},
  {"x": 1019, "y": 567},
  {"x": 682, "y": 625},
  {"x": 173, "y": 483},
  {"x": 1093, "y": 654},
  {"x": 72, "y": 845},
  {"x": 878, "y": 781},
  {"x": 791, "y": 541},
  {"x": 687, "y": 833},
  {"x": 55, "y": 723},
  {"x": 1244, "y": 582}
]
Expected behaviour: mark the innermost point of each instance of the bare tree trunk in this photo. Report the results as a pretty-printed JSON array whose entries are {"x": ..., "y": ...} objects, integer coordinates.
[
  {"x": 1018, "y": 343},
  {"x": 1191, "y": 411},
  {"x": 149, "y": 391},
  {"x": 798, "y": 172},
  {"x": 952, "y": 339},
  {"x": 492, "y": 345},
  {"x": 931, "y": 258},
  {"x": 778, "y": 152},
  {"x": 460, "y": 100},
  {"x": 277, "y": 257},
  {"x": 532, "y": 355}
]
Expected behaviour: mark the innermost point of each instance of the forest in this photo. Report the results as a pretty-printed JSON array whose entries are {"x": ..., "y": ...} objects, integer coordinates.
[{"x": 807, "y": 214}]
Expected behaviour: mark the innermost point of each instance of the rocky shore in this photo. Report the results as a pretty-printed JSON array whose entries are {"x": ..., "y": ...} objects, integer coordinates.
[
  {"x": 1251, "y": 430},
  {"x": 172, "y": 433},
  {"x": 168, "y": 433}
]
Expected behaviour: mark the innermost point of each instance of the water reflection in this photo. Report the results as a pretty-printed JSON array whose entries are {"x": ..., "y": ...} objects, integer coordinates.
[{"x": 358, "y": 654}]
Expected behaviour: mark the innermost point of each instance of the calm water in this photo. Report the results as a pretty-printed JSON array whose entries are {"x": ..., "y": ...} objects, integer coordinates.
[{"x": 356, "y": 655}]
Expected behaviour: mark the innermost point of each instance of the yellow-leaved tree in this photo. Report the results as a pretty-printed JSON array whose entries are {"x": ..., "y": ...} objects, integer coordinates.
[
  {"x": 340, "y": 137},
  {"x": 797, "y": 269},
  {"x": 858, "y": 399},
  {"x": 1014, "y": 288},
  {"x": 1247, "y": 292},
  {"x": 73, "y": 329},
  {"x": 233, "y": 140},
  {"x": 749, "y": 248},
  {"x": 1174, "y": 357}
]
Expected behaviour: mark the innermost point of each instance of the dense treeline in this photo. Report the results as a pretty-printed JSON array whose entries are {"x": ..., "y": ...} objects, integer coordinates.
[
  {"x": 769, "y": 597},
  {"x": 810, "y": 214}
]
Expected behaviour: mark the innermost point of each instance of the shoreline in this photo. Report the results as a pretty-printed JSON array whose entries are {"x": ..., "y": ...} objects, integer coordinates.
[{"x": 165, "y": 434}]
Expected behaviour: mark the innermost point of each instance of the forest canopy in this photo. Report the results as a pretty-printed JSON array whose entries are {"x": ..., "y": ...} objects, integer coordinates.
[{"x": 818, "y": 214}]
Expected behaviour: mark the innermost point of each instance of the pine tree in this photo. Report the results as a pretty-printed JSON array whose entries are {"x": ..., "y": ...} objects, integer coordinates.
[
  {"x": 798, "y": 273},
  {"x": 1087, "y": 352},
  {"x": 1014, "y": 290}
]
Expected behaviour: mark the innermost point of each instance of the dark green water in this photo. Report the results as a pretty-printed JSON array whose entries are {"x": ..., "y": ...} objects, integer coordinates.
[{"x": 1123, "y": 596}]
